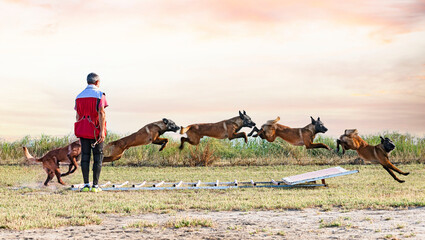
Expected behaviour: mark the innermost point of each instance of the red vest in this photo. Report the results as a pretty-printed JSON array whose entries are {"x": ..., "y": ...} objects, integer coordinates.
[{"x": 88, "y": 124}]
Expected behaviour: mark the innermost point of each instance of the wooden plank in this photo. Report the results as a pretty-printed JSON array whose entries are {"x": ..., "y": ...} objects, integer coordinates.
[
  {"x": 120, "y": 185},
  {"x": 178, "y": 184},
  {"x": 105, "y": 184},
  {"x": 139, "y": 185},
  {"x": 158, "y": 184},
  {"x": 197, "y": 184}
]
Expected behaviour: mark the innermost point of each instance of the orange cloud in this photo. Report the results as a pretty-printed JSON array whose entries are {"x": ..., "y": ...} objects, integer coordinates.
[{"x": 389, "y": 18}]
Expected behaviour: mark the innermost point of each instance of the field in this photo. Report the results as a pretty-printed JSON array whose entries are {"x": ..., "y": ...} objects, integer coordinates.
[{"x": 27, "y": 205}]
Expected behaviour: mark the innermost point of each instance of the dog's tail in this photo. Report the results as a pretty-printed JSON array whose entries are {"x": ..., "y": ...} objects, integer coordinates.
[
  {"x": 183, "y": 130},
  {"x": 28, "y": 156},
  {"x": 271, "y": 122}
]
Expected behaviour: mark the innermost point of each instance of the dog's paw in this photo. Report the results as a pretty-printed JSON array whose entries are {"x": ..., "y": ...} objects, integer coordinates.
[{"x": 162, "y": 147}]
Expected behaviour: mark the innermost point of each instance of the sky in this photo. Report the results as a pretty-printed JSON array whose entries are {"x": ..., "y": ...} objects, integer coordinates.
[{"x": 355, "y": 64}]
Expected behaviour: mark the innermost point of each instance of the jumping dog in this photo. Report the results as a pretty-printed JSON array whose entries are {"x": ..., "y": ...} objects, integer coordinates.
[
  {"x": 295, "y": 136},
  {"x": 221, "y": 130},
  {"x": 374, "y": 154},
  {"x": 146, "y": 135},
  {"x": 68, "y": 154}
]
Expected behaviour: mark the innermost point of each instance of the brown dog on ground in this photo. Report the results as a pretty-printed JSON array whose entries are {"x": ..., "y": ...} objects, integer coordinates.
[
  {"x": 295, "y": 136},
  {"x": 221, "y": 130},
  {"x": 146, "y": 135},
  {"x": 68, "y": 154},
  {"x": 374, "y": 154}
]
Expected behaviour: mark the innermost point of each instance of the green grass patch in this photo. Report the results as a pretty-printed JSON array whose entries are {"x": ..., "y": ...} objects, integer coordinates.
[
  {"x": 330, "y": 224},
  {"x": 189, "y": 222},
  {"x": 340, "y": 222}
]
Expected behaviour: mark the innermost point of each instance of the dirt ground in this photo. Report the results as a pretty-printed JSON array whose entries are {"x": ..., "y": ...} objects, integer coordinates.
[{"x": 297, "y": 224}]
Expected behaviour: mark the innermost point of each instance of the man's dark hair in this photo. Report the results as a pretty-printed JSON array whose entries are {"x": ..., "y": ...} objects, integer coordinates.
[{"x": 92, "y": 78}]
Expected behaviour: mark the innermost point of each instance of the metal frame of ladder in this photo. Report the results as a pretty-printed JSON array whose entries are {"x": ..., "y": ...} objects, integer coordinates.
[{"x": 302, "y": 180}]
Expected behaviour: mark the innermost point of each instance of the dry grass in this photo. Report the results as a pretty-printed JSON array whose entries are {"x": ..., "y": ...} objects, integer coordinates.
[
  {"x": 26, "y": 204},
  {"x": 201, "y": 156}
]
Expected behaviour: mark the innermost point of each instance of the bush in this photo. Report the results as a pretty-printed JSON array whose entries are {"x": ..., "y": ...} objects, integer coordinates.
[{"x": 409, "y": 149}]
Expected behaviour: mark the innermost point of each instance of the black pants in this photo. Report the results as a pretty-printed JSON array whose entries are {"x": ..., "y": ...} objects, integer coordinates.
[{"x": 85, "y": 159}]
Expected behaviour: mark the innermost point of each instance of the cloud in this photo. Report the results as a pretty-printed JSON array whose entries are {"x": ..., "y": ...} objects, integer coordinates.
[
  {"x": 232, "y": 17},
  {"x": 199, "y": 61},
  {"x": 388, "y": 18}
]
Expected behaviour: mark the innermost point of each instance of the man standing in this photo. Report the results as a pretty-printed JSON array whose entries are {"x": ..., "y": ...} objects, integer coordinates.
[{"x": 90, "y": 127}]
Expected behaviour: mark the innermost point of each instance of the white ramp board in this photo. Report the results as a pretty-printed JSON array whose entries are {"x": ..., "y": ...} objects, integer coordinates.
[{"x": 317, "y": 175}]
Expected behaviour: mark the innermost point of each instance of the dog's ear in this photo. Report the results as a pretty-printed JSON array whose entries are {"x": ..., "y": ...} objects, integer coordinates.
[
  {"x": 318, "y": 119},
  {"x": 165, "y": 120},
  {"x": 312, "y": 120},
  {"x": 241, "y": 115},
  {"x": 382, "y": 139},
  {"x": 244, "y": 113}
]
